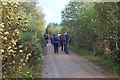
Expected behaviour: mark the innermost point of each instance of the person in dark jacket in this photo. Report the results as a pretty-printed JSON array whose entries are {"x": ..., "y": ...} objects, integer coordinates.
[
  {"x": 61, "y": 41},
  {"x": 46, "y": 38},
  {"x": 65, "y": 42},
  {"x": 55, "y": 42}
]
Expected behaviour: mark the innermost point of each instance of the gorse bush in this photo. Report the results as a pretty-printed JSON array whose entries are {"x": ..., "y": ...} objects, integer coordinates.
[{"x": 22, "y": 39}]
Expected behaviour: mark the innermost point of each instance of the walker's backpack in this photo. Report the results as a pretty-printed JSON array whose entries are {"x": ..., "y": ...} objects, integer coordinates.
[
  {"x": 65, "y": 39},
  {"x": 56, "y": 39}
]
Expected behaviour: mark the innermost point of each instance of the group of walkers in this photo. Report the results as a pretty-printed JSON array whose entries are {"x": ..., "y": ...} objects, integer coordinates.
[{"x": 58, "y": 40}]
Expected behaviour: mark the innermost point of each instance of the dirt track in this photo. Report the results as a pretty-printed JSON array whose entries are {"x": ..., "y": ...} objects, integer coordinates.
[{"x": 71, "y": 65}]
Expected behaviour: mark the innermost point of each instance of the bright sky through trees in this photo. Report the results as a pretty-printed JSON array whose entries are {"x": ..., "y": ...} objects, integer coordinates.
[{"x": 52, "y": 9}]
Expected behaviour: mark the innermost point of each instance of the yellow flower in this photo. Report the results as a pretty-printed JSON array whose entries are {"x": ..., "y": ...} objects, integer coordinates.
[
  {"x": 15, "y": 48},
  {"x": 27, "y": 72},
  {"x": 4, "y": 3},
  {"x": 20, "y": 67},
  {"x": 29, "y": 54},
  {"x": 11, "y": 50},
  {"x": 20, "y": 46},
  {"x": 8, "y": 53},
  {"x": 2, "y": 25},
  {"x": 17, "y": 32},
  {"x": 1, "y": 29},
  {"x": 5, "y": 38},
  {"x": 1, "y": 50},
  {"x": 6, "y": 32},
  {"x": 14, "y": 42},
  {"x": 13, "y": 62},
  {"x": 27, "y": 57},
  {"x": 24, "y": 64},
  {"x": 21, "y": 51},
  {"x": 9, "y": 47}
]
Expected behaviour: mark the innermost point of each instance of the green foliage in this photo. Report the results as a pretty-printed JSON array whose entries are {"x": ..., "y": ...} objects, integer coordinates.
[
  {"x": 56, "y": 29},
  {"x": 94, "y": 26},
  {"x": 21, "y": 32},
  {"x": 53, "y": 28},
  {"x": 103, "y": 62}
]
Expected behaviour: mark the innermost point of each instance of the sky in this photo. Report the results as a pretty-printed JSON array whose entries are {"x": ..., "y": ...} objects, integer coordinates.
[{"x": 52, "y": 9}]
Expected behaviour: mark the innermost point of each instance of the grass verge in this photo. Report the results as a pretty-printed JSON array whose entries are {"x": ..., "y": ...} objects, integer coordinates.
[{"x": 109, "y": 66}]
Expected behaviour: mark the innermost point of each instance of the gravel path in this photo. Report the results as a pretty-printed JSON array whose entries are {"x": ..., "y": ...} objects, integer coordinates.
[{"x": 61, "y": 65}]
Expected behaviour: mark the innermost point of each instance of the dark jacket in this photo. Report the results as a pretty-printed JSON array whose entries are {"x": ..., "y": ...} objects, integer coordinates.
[{"x": 65, "y": 39}]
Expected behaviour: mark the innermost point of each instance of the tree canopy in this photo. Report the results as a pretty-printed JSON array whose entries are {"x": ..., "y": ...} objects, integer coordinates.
[{"x": 94, "y": 26}]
